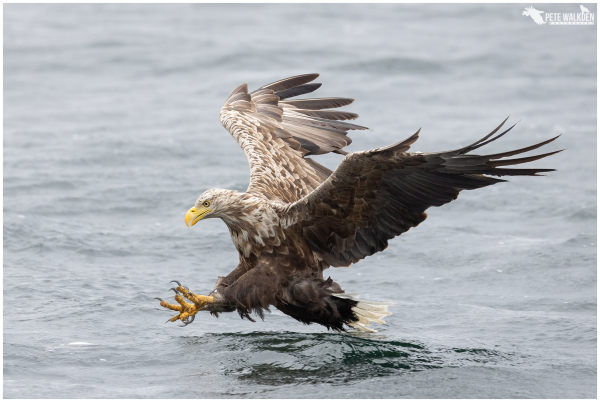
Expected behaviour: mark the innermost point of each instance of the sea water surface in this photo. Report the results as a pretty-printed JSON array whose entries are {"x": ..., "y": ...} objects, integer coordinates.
[{"x": 111, "y": 131}]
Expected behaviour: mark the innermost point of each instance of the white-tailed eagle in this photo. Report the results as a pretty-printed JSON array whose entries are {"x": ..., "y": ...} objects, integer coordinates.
[{"x": 298, "y": 218}]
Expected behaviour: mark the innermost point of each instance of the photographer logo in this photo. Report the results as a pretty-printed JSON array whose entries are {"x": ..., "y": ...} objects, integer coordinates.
[{"x": 585, "y": 17}]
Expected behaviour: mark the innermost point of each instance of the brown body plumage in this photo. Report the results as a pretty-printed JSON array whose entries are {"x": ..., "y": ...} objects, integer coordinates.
[{"x": 298, "y": 218}]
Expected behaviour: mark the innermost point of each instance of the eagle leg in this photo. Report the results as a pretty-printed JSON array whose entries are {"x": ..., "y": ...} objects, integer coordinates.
[
  {"x": 187, "y": 311},
  {"x": 199, "y": 300}
]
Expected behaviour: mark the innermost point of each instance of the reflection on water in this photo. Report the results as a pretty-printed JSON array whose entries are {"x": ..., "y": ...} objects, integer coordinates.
[{"x": 292, "y": 358}]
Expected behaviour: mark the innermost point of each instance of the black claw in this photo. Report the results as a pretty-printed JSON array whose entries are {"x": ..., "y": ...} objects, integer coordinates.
[
  {"x": 177, "y": 282},
  {"x": 188, "y": 293},
  {"x": 174, "y": 290},
  {"x": 188, "y": 321},
  {"x": 158, "y": 298}
]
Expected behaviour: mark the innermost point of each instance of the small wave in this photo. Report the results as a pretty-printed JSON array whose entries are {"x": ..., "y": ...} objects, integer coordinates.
[
  {"x": 78, "y": 344},
  {"x": 107, "y": 44},
  {"x": 395, "y": 65},
  {"x": 582, "y": 239},
  {"x": 584, "y": 214}
]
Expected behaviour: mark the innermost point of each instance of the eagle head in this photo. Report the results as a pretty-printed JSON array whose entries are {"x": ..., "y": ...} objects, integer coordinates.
[{"x": 214, "y": 203}]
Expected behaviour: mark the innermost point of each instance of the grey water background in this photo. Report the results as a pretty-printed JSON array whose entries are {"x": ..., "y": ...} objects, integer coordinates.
[{"x": 111, "y": 131}]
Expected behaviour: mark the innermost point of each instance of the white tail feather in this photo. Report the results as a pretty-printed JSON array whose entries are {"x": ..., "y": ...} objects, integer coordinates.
[
  {"x": 366, "y": 312},
  {"x": 361, "y": 327},
  {"x": 375, "y": 315},
  {"x": 372, "y": 306},
  {"x": 346, "y": 296}
]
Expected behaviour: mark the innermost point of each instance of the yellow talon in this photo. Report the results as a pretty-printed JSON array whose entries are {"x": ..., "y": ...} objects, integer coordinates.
[
  {"x": 186, "y": 310},
  {"x": 170, "y": 306},
  {"x": 184, "y": 305},
  {"x": 199, "y": 300}
]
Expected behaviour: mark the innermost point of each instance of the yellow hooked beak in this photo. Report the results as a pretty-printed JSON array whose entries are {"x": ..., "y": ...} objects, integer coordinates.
[{"x": 194, "y": 215}]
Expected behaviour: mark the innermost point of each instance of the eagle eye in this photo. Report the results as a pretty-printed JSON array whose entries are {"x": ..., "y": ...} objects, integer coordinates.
[{"x": 206, "y": 203}]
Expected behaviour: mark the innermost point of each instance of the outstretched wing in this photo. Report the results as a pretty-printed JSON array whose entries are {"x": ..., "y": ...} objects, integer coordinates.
[
  {"x": 376, "y": 195},
  {"x": 277, "y": 134}
]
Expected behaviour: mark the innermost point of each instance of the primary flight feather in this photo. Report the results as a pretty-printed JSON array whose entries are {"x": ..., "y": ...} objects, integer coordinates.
[{"x": 298, "y": 218}]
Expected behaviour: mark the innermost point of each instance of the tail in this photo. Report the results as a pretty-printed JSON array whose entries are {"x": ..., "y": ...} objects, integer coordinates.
[{"x": 365, "y": 312}]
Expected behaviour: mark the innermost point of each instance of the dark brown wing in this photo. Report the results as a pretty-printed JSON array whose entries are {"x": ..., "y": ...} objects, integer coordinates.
[
  {"x": 376, "y": 195},
  {"x": 276, "y": 134}
]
